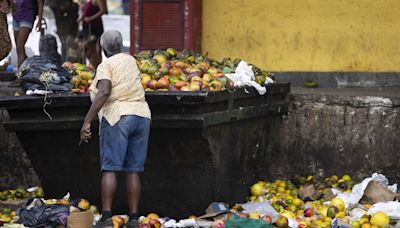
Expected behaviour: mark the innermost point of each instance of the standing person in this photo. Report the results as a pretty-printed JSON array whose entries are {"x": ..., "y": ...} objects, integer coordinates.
[
  {"x": 118, "y": 99},
  {"x": 24, "y": 14},
  {"x": 92, "y": 28}
]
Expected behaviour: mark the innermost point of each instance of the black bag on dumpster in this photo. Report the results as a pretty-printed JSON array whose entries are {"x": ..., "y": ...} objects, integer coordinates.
[
  {"x": 48, "y": 48},
  {"x": 34, "y": 213},
  {"x": 32, "y": 75}
]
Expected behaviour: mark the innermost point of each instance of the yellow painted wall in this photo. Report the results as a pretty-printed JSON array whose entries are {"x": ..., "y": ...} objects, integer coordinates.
[{"x": 305, "y": 35}]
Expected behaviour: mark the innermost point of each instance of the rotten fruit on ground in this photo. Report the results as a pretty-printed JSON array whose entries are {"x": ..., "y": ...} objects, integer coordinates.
[
  {"x": 282, "y": 221},
  {"x": 84, "y": 204},
  {"x": 380, "y": 219},
  {"x": 20, "y": 193},
  {"x": 267, "y": 218},
  {"x": 338, "y": 203},
  {"x": 5, "y": 218},
  {"x": 154, "y": 223},
  {"x": 118, "y": 221},
  {"x": 355, "y": 224},
  {"x": 332, "y": 211},
  {"x": 144, "y": 225},
  {"x": 309, "y": 212},
  {"x": 62, "y": 201},
  {"x": 257, "y": 189},
  {"x": 254, "y": 215},
  {"x": 153, "y": 216}
]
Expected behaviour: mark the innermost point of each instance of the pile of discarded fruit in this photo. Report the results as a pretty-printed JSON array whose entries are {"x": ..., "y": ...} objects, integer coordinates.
[
  {"x": 82, "y": 76},
  {"x": 324, "y": 202},
  {"x": 172, "y": 70},
  {"x": 303, "y": 202},
  {"x": 188, "y": 70}
]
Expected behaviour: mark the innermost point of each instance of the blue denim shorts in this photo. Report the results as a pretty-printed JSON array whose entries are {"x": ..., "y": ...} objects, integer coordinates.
[
  {"x": 123, "y": 147},
  {"x": 18, "y": 24}
]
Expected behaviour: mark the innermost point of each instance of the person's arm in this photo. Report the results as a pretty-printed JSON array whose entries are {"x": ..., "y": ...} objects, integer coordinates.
[
  {"x": 40, "y": 4},
  {"x": 102, "y": 4},
  {"x": 104, "y": 91}
]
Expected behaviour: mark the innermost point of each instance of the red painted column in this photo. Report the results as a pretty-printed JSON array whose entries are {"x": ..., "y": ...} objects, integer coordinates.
[
  {"x": 193, "y": 24},
  {"x": 134, "y": 31},
  {"x": 192, "y": 15}
]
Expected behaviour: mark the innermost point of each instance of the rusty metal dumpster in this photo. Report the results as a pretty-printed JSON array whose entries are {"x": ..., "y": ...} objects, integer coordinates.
[{"x": 203, "y": 147}]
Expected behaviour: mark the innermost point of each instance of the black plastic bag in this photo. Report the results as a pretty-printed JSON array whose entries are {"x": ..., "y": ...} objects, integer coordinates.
[
  {"x": 48, "y": 48},
  {"x": 34, "y": 67},
  {"x": 34, "y": 213}
]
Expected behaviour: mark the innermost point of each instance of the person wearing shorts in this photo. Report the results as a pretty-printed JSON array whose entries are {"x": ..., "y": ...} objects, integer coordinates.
[
  {"x": 24, "y": 15},
  {"x": 118, "y": 99}
]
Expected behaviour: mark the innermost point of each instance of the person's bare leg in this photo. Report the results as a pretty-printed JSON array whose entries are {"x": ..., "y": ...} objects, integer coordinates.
[
  {"x": 16, "y": 36},
  {"x": 133, "y": 191},
  {"x": 15, "y": 83},
  {"x": 108, "y": 187},
  {"x": 92, "y": 53},
  {"x": 97, "y": 55},
  {"x": 20, "y": 41}
]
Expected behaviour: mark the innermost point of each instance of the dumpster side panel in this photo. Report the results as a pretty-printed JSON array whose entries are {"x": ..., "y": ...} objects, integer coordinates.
[
  {"x": 179, "y": 173},
  {"x": 62, "y": 165},
  {"x": 190, "y": 162},
  {"x": 242, "y": 151}
]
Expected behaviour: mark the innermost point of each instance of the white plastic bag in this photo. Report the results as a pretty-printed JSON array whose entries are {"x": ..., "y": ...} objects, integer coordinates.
[
  {"x": 262, "y": 208},
  {"x": 243, "y": 76},
  {"x": 292, "y": 222},
  {"x": 392, "y": 209},
  {"x": 357, "y": 213},
  {"x": 357, "y": 192}
]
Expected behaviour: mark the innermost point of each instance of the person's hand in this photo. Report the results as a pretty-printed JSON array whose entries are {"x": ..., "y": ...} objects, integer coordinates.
[
  {"x": 14, "y": 6},
  {"x": 87, "y": 19},
  {"x": 85, "y": 132},
  {"x": 39, "y": 27}
]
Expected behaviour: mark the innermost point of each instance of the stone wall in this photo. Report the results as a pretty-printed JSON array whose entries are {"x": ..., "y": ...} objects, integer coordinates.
[
  {"x": 337, "y": 131},
  {"x": 15, "y": 167}
]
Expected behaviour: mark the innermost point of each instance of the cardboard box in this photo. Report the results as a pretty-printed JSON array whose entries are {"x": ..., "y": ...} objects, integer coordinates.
[{"x": 80, "y": 220}]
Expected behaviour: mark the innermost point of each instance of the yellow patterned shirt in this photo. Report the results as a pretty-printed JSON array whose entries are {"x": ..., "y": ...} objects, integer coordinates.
[{"x": 127, "y": 94}]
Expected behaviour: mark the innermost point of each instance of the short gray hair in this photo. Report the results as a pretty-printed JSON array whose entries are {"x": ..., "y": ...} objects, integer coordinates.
[{"x": 111, "y": 41}]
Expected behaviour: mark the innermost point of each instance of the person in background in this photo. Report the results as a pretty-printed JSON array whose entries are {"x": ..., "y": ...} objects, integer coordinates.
[
  {"x": 24, "y": 15},
  {"x": 118, "y": 99},
  {"x": 92, "y": 28}
]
